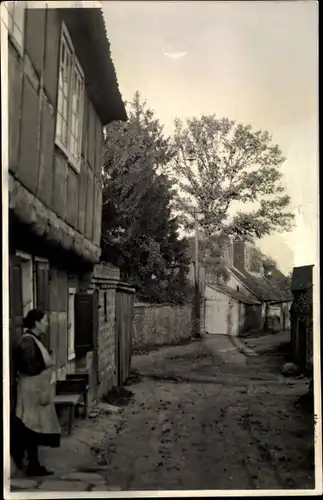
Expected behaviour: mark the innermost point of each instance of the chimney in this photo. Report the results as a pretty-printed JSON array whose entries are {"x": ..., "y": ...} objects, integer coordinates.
[
  {"x": 228, "y": 253},
  {"x": 239, "y": 254}
]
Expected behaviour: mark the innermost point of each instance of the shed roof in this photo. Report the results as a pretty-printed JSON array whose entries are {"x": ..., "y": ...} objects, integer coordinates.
[
  {"x": 234, "y": 294},
  {"x": 261, "y": 287},
  {"x": 87, "y": 29},
  {"x": 302, "y": 278}
]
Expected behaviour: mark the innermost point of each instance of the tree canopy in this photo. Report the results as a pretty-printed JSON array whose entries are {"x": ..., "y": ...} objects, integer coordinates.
[
  {"x": 139, "y": 231},
  {"x": 222, "y": 176},
  {"x": 228, "y": 177}
]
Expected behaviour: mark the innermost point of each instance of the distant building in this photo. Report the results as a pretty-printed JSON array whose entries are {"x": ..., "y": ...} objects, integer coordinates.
[{"x": 255, "y": 295}]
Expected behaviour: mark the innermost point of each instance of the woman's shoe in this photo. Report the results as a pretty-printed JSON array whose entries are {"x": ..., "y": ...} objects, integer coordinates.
[
  {"x": 38, "y": 471},
  {"x": 18, "y": 461}
]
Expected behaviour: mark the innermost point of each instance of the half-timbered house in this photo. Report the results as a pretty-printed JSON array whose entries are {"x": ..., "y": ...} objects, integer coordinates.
[{"x": 62, "y": 91}]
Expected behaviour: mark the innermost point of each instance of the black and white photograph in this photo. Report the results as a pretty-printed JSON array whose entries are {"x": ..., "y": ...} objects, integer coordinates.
[{"x": 160, "y": 220}]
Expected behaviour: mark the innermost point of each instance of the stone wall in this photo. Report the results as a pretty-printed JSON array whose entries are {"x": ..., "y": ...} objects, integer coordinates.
[
  {"x": 105, "y": 278},
  {"x": 165, "y": 324},
  {"x": 106, "y": 340}
]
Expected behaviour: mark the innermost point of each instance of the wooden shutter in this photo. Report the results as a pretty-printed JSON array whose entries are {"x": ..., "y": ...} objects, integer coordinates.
[
  {"x": 84, "y": 323},
  {"x": 15, "y": 318},
  {"x": 42, "y": 291},
  {"x": 15, "y": 298}
]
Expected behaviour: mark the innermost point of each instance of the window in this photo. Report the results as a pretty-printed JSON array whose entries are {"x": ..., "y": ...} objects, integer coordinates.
[
  {"x": 71, "y": 324},
  {"x": 16, "y": 22},
  {"x": 70, "y": 102},
  {"x": 105, "y": 307},
  {"x": 27, "y": 282}
]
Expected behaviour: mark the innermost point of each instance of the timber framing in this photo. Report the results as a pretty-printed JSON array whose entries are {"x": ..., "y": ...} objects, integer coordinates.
[{"x": 44, "y": 223}]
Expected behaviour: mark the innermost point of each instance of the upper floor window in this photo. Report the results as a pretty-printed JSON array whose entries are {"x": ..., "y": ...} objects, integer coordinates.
[
  {"x": 70, "y": 102},
  {"x": 16, "y": 22}
]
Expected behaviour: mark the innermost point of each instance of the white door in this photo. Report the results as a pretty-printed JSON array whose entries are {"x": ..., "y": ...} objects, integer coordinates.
[
  {"x": 235, "y": 318},
  {"x": 216, "y": 315}
]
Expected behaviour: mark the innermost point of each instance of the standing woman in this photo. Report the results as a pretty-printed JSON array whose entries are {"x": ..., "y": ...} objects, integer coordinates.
[{"x": 36, "y": 422}]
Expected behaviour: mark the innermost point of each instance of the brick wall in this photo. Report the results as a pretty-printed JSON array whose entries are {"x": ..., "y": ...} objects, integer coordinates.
[
  {"x": 164, "y": 324},
  {"x": 106, "y": 340}
]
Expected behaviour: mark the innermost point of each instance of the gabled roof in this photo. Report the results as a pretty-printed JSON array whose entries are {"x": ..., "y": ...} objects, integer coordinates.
[
  {"x": 87, "y": 29},
  {"x": 234, "y": 294},
  {"x": 302, "y": 278},
  {"x": 261, "y": 287}
]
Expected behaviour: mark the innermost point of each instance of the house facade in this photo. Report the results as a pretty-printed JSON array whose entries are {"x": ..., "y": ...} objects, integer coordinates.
[
  {"x": 229, "y": 312},
  {"x": 63, "y": 90}
]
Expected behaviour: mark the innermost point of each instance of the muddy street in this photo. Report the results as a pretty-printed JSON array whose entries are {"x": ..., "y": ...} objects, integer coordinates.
[{"x": 205, "y": 416}]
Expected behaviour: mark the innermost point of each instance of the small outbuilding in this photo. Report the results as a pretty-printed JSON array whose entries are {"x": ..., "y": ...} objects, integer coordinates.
[{"x": 230, "y": 312}]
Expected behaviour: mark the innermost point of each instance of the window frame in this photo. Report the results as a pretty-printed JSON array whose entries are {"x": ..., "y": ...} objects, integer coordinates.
[
  {"x": 35, "y": 260},
  {"x": 27, "y": 259},
  {"x": 75, "y": 68},
  {"x": 19, "y": 45},
  {"x": 71, "y": 325}
]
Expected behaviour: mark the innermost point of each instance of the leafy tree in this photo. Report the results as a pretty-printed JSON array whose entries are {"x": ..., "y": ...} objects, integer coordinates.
[
  {"x": 139, "y": 232},
  {"x": 229, "y": 175}
]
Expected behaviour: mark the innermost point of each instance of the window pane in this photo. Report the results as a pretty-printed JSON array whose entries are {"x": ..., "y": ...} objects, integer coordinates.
[
  {"x": 79, "y": 113},
  {"x": 65, "y": 108},
  {"x": 74, "y": 103},
  {"x": 64, "y": 132},
  {"x": 75, "y": 125},
  {"x": 61, "y": 75},
  {"x": 77, "y": 109},
  {"x": 72, "y": 123},
  {"x": 73, "y": 91},
  {"x": 60, "y": 101},
  {"x": 71, "y": 144},
  {"x": 59, "y": 126},
  {"x": 63, "y": 55},
  {"x": 67, "y": 74},
  {"x": 77, "y": 130}
]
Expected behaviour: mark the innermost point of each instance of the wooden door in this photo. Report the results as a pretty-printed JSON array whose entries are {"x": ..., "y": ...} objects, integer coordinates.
[
  {"x": 84, "y": 323},
  {"x": 15, "y": 319},
  {"x": 124, "y": 332},
  {"x": 86, "y": 331},
  {"x": 216, "y": 316}
]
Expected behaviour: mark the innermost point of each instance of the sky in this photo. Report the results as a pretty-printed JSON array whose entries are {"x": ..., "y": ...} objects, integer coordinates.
[{"x": 252, "y": 62}]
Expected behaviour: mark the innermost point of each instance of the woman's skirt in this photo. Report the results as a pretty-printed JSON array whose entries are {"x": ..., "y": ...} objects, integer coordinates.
[{"x": 22, "y": 434}]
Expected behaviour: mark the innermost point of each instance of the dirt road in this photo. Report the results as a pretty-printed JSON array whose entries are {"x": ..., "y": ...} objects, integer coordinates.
[{"x": 205, "y": 416}]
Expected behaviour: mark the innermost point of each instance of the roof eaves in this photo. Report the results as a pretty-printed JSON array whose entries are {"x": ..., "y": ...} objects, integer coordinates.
[
  {"x": 237, "y": 274},
  {"x": 260, "y": 287},
  {"x": 234, "y": 294}
]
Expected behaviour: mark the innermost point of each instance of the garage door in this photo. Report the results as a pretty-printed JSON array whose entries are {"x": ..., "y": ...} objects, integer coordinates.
[{"x": 216, "y": 316}]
